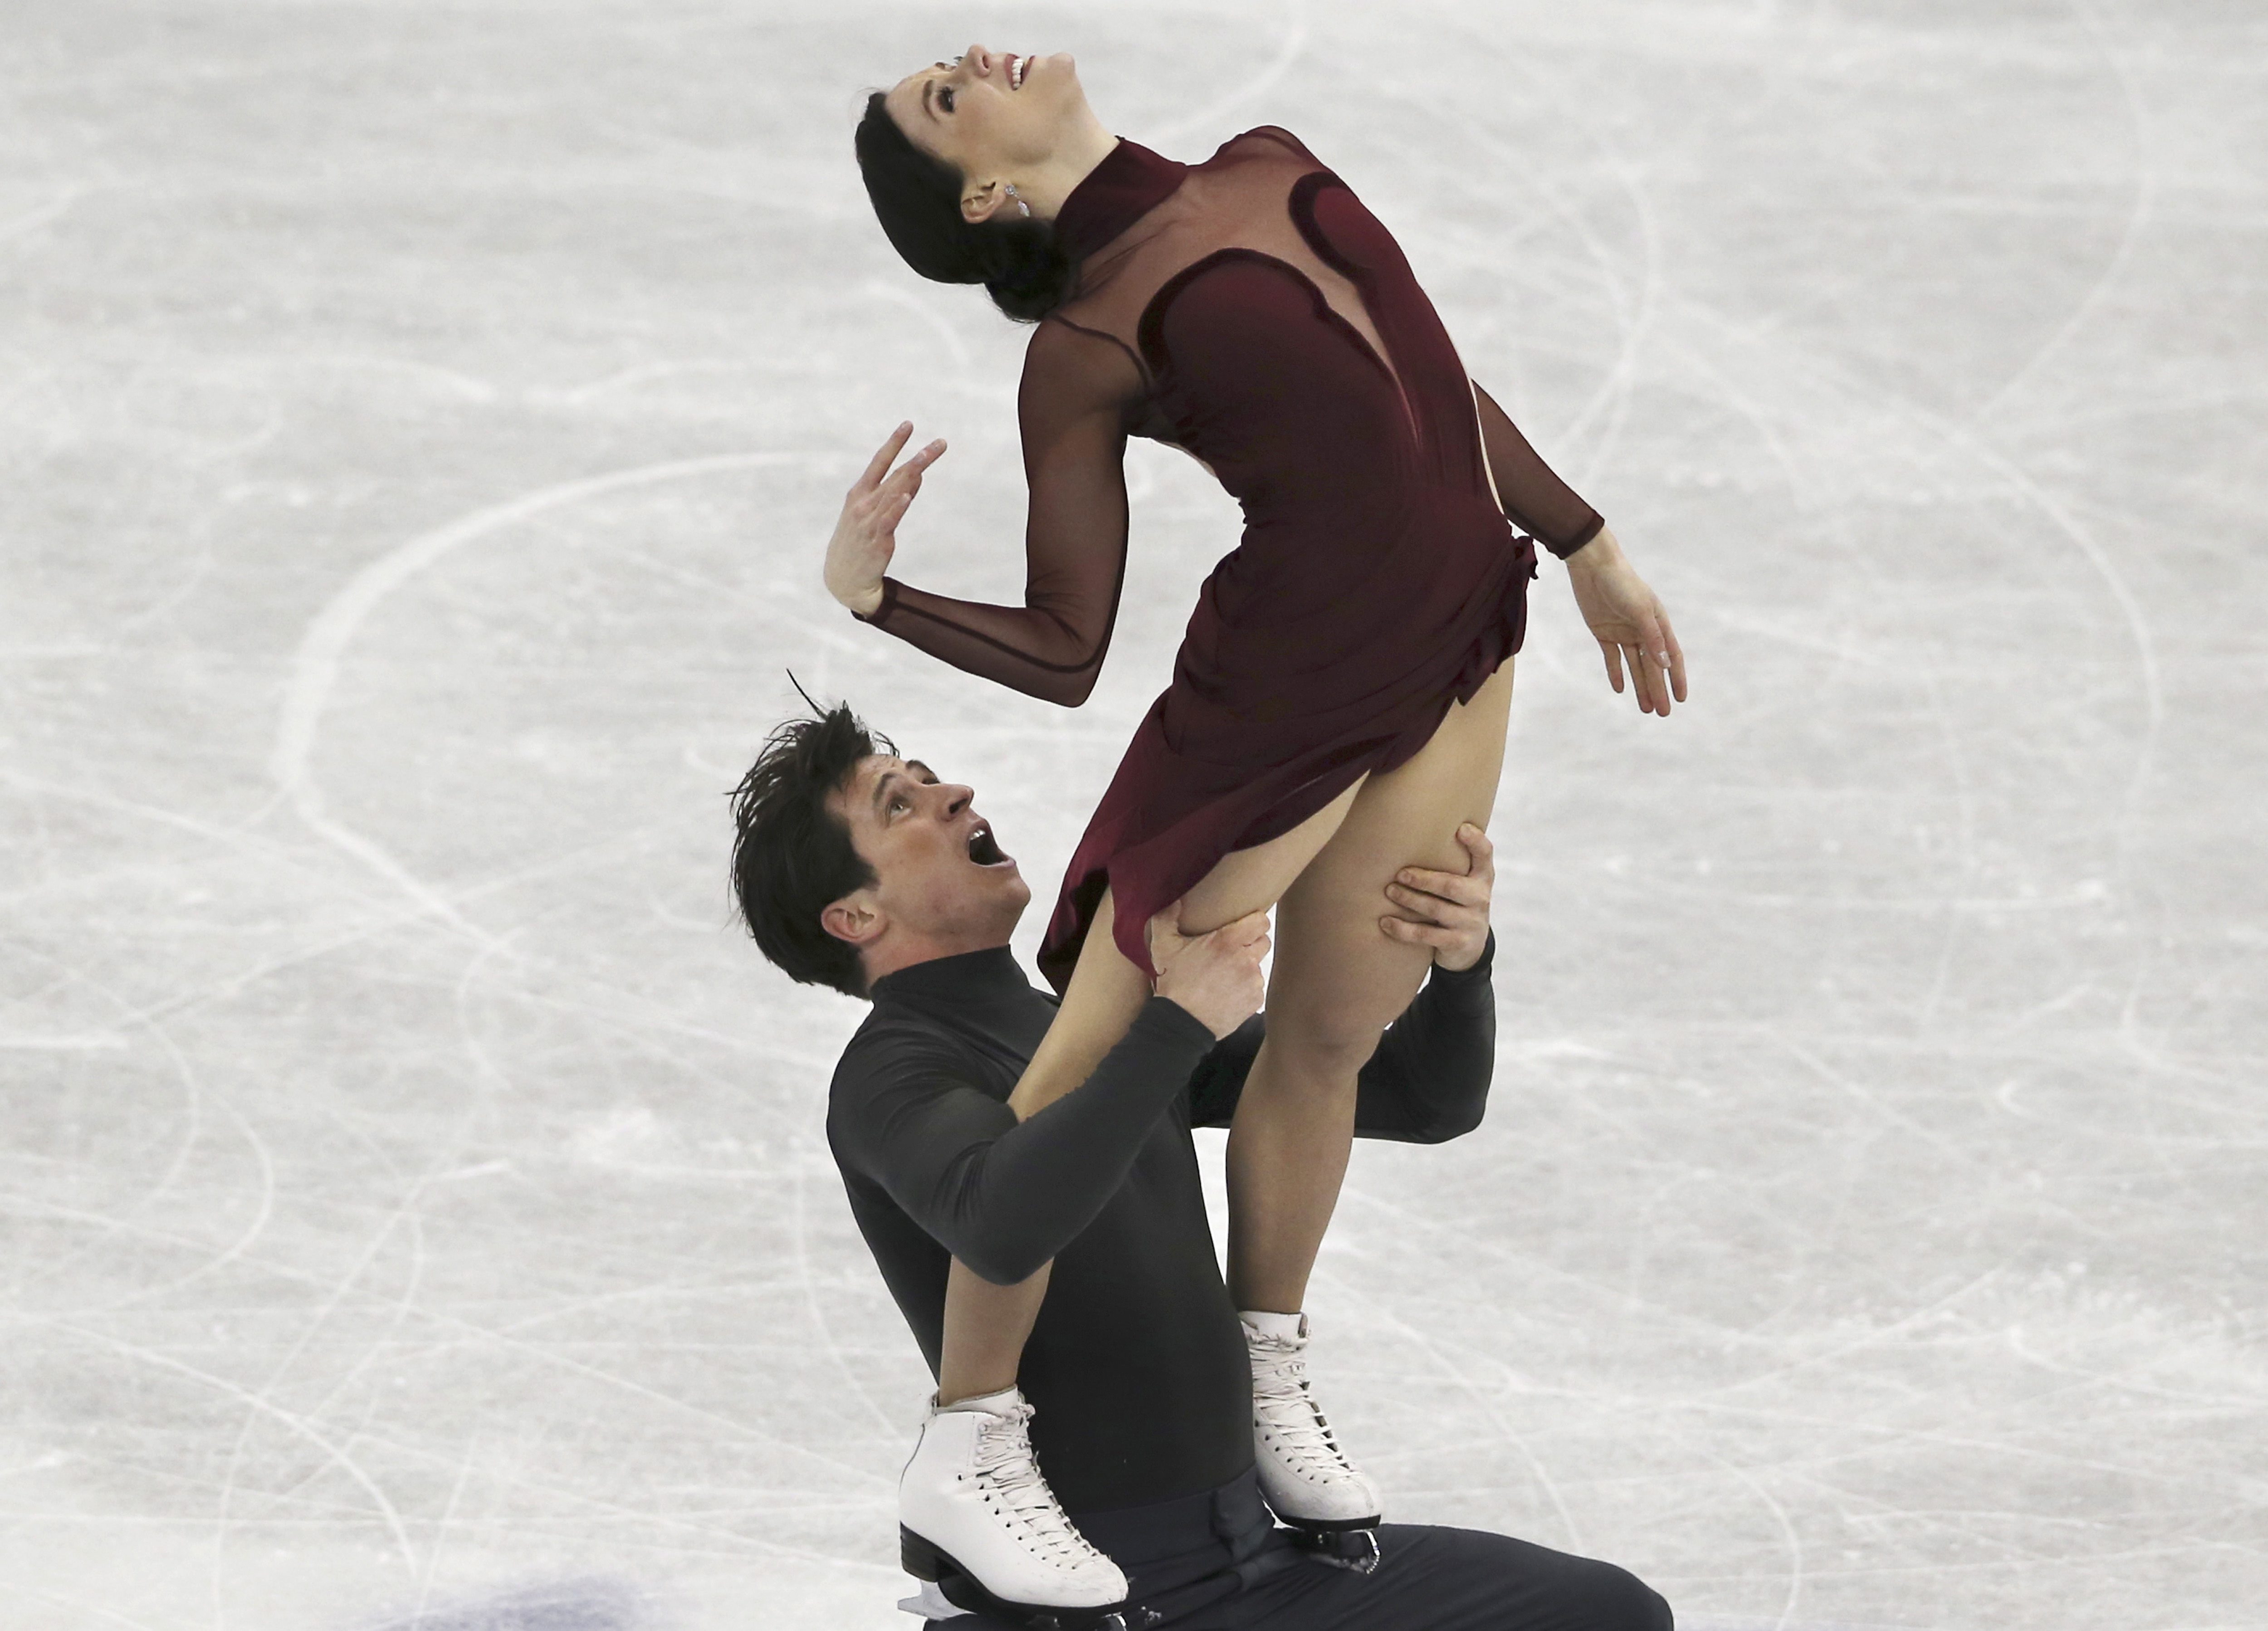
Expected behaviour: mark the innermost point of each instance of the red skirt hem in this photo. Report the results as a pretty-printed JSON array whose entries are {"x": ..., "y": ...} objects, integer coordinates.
[{"x": 1169, "y": 816}]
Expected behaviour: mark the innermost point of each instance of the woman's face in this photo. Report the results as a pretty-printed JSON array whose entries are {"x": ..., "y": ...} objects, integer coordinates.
[{"x": 990, "y": 114}]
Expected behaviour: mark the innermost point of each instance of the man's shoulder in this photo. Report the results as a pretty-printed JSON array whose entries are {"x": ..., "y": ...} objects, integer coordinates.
[
  {"x": 893, "y": 1062},
  {"x": 884, "y": 1032},
  {"x": 894, "y": 1045}
]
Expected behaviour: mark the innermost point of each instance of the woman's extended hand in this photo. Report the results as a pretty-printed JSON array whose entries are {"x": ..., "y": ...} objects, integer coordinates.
[
  {"x": 866, "y": 535},
  {"x": 1627, "y": 621},
  {"x": 1448, "y": 911}
]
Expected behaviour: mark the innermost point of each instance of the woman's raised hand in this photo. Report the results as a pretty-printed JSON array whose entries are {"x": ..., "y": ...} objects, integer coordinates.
[
  {"x": 1627, "y": 621},
  {"x": 866, "y": 535}
]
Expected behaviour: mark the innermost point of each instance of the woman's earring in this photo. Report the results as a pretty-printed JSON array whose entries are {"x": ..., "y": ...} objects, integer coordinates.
[{"x": 1021, "y": 204}]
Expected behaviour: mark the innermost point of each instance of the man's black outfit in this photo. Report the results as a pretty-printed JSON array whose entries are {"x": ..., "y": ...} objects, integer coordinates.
[{"x": 1137, "y": 1368}]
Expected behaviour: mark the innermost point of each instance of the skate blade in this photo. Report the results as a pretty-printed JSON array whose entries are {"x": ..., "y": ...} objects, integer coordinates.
[
  {"x": 1329, "y": 1525},
  {"x": 934, "y": 1567},
  {"x": 1354, "y": 1550},
  {"x": 929, "y": 1603}
]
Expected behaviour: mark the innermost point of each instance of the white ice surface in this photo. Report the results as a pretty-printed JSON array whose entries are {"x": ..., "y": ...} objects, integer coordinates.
[{"x": 420, "y": 423}]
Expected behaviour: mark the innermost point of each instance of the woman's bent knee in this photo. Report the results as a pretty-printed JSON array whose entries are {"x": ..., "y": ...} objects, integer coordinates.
[{"x": 1327, "y": 1059}]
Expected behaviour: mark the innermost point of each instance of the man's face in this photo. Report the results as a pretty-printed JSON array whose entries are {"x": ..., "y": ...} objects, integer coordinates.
[{"x": 938, "y": 875}]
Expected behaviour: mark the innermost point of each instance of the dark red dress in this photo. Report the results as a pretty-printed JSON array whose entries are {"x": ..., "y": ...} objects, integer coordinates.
[{"x": 1249, "y": 310}]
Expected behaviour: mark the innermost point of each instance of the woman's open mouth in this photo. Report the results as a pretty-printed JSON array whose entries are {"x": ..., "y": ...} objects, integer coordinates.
[
  {"x": 984, "y": 849},
  {"x": 1018, "y": 66}
]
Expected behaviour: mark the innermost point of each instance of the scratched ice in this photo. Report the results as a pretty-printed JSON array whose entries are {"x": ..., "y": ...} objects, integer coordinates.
[{"x": 421, "y": 423}]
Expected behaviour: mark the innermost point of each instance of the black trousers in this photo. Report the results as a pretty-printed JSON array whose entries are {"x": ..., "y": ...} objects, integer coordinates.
[{"x": 1218, "y": 1562}]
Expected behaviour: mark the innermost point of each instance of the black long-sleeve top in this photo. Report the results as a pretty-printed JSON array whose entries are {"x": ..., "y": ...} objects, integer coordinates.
[{"x": 1136, "y": 1366}]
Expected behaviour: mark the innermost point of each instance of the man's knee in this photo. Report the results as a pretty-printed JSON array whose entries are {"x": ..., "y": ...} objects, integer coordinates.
[
  {"x": 1473, "y": 1580},
  {"x": 1620, "y": 1601}
]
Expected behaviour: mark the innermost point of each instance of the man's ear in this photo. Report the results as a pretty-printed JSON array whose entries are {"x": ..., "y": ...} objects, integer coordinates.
[
  {"x": 854, "y": 920},
  {"x": 981, "y": 201}
]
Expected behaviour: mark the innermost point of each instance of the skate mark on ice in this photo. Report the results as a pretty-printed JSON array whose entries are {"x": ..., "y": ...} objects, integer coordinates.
[
  {"x": 323, "y": 647},
  {"x": 256, "y": 1404},
  {"x": 2137, "y": 213},
  {"x": 808, "y": 1281},
  {"x": 404, "y": 1213},
  {"x": 581, "y": 1604},
  {"x": 1207, "y": 118},
  {"x": 931, "y": 319},
  {"x": 1439, "y": 1353},
  {"x": 419, "y": 1615}
]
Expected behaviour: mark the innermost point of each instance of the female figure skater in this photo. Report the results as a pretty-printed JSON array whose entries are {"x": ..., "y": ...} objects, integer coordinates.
[{"x": 1338, "y": 705}]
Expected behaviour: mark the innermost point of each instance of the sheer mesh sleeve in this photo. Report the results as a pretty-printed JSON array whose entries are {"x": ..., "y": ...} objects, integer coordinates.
[
  {"x": 1534, "y": 498},
  {"x": 1071, "y": 406}
]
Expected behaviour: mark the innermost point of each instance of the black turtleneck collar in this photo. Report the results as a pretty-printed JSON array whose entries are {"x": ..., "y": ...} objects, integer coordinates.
[
  {"x": 1130, "y": 182},
  {"x": 965, "y": 977}
]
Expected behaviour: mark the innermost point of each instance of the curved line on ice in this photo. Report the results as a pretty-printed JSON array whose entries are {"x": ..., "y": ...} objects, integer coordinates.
[
  {"x": 315, "y": 667},
  {"x": 1295, "y": 42}
]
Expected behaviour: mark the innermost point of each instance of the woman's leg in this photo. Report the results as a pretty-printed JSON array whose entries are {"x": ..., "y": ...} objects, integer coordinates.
[
  {"x": 1336, "y": 983},
  {"x": 985, "y": 1329},
  {"x": 986, "y": 1326}
]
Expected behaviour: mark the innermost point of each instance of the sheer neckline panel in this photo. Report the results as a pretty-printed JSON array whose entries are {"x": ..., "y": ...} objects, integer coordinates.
[{"x": 1151, "y": 349}]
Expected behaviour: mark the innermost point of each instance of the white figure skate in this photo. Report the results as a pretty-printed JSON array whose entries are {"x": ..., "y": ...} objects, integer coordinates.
[
  {"x": 1307, "y": 1478},
  {"x": 975, "y": 1517}
]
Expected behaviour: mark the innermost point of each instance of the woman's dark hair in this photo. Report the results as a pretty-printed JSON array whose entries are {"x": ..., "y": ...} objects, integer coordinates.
[
  {"x": 792, "y": 856},
  {"x": 916, "y": 198}
]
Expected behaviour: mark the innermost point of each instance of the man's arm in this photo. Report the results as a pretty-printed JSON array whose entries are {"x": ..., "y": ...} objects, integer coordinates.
[
  {"x": 1004, "y": 1187},
  {"x": 1429, "y": 1079},
  {"x": 1003, "y": 1195},
  {"x": 1427, "y": 1082}
]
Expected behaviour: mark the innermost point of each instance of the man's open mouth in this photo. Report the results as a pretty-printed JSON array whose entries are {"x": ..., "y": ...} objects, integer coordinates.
[{"x": 984, "y": 849}]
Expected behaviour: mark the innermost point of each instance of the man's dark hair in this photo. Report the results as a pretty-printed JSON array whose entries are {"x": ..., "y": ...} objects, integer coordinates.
[
  {"x": 916, "y": 197},
  {"x": 792, "y": 856}
]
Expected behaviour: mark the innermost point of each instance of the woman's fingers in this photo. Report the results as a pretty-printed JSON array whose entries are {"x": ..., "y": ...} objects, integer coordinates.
[
  {"x": 1653, "y": 639},
  {"x": 907, "y": 478},
  {"x": 878, "y": 465},
  {"x": 875, "y": 510},
  {"x": 1677, "y": 658},
  {"x": 880, "y": 494},
  {"x": 1614, "y": 656},
  {"x": 1649, "y": 635},
  {"x": 1661, "y": 658},
  {"x": 1641, "y": 673},
  {"x": 914, "y": 467}
]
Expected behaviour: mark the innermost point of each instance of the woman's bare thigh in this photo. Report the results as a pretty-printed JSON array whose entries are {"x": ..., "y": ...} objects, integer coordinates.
[
  {"x": 1327, "y": 876},
  {"x": 1336, "y": 977},
  {"x": 1106, "y": 991},
  {"x": 1250, "y": 880}
]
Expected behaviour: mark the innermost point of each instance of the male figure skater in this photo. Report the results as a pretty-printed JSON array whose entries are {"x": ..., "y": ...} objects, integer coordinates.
[{"x": 1148, "y": 1397}]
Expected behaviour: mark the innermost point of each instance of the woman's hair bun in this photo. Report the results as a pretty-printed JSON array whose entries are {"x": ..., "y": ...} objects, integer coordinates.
[
  {"x": 916, "y": 198},
  {"x": 1027, "y": 272}
]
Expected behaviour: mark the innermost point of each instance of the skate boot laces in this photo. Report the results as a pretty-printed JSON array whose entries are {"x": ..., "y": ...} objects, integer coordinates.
[
  {"x": 1282, "y": 1401},
  {"x": 1011, "y": 1482}
]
